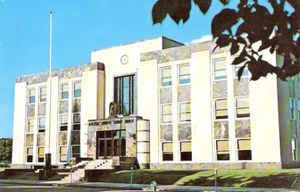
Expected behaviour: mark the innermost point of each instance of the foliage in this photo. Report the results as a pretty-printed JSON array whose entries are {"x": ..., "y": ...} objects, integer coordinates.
[
  {"x": 249, "y": 30},
  {"x": 5, "y": 149}
]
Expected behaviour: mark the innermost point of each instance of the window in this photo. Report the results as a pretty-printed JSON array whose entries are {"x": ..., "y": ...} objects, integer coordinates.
[
  {"x": 41, "y": 153},
  {"x": 166, "y": 113},
  {"x": 76, "y": 121},
  {"x": 30, "y": 125},
  {"x": 184, "y": 110},
  {"x": 43, "y": 94},
  {"x": 167, "y": 149},
  {"x": 64, "y": 91},
  {"x": 76, "y": 151},
  {"x": 29, "y": 155},
  {"x": 245, "y": 71},
  {"x": 184, "y": 73},
  {"x": 166, "y": 76},
  {"x": 77, "y": 89},
  {"x": 41, "y": 124},
  {"x": 242, "y": 107},
  {"x": 186, "y": 151},
  {"x": 244, "y": 149},
  {"x": 221, "y": 109},
  {"x": 63, "y": 122},
  {"x": 222, "y": 149},
  {"x": 63, "y": 153},
  {"x": 31, "y": 96},
  {"x": 219, "y": 68},
  {"x": 125, "y": 94}
]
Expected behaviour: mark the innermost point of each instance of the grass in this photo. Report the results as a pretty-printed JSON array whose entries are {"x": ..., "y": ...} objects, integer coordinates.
[{"x": 229, "y": 178}]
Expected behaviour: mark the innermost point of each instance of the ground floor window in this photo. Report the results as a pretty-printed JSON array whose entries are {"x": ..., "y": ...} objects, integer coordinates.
[
  {"x": 244, "y": 149},
  {"x": 63, "y": 153},
  {"x": 186, "y": 151},
  {"x": 76, "y": 151},
  {"x": 41, "y": 154},
  {"x": 29, "y": 155},
  {"x": 167, "y": 151},
  {"x": 222, "y": 149}
]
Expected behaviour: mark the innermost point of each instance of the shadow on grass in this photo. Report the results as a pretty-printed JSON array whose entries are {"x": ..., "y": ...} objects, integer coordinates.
[
  {"x": 162, "y": 177},
  {"x": 273, "y": 180}
]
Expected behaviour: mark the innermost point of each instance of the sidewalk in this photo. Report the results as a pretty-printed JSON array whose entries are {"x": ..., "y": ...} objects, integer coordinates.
[{"x": 140, "y": 186}]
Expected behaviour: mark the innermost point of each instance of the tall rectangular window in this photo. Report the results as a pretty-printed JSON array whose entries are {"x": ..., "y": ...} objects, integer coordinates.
[
  {"x": 76, "y": 121},
  {"x": 222, "y": 149},
  {"x": 30, "y": 125},
  {"x": 31, "y": 96},
  {"x": 63, "y": 122},
  {"x": 125, "y": 94},
  {"x": 242, "y": 107},
  {"x": 167, "y": 149},
  {"x": 63, "y": 153},
  {"x": 41, "y": 154},
  {"x": 184, "y": 73},
  {"x": 29, "y": 154},
  {"x": 186, "y": 151},
  {"x": 221, "y": 111},
  {"x": 166, "y": 76},
  {"x": 244, "y": 149},
  {"x": 64, "y": 91},
  {"x": 184, "y": 111},
  {"x": 43, "y": 94},
  {"x": 41, "y": 124},
  {"x": 77, "y": 89},
  {"x": 166, "y": 113},
  {"x": 219, "y": 68}
]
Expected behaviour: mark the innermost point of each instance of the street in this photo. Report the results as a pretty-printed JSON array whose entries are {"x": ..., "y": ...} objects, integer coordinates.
[{"x": 29, "y": 188}]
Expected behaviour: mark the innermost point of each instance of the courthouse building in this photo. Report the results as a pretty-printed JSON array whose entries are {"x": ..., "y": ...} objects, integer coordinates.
[{"x": 163, "y": 103}]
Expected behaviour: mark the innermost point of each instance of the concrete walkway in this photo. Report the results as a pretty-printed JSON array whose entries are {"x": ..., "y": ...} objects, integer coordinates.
[{"x": 140, "y": 186}]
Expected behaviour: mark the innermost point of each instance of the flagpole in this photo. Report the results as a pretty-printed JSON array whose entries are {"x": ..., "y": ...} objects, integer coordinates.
[{"x": 48, "y": 155}]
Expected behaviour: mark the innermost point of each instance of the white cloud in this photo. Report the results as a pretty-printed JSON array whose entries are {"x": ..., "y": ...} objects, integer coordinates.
[{"x": 203, "y": 39}]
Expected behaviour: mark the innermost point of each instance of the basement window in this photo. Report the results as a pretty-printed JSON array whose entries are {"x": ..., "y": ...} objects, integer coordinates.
[
  {"x": 222, "y": 150},
  {"x": 167, "y": 149},
  {"x": 186, "y": 151}
]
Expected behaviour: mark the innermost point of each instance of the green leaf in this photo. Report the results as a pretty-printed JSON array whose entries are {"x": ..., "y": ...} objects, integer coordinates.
[
  {"x": 240, "y": 72},
  {"x": 223, "y": 21},
  {"x": 203, "y": 5}
]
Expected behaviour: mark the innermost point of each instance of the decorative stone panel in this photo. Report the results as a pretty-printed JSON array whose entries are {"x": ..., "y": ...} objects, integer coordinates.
[
  {"x": 221, "y": 129},
  {"x": 184, "y": 131},
  {"x": 41, "y": 139},
  {"x": 184, "y": 93},
  {"x": 75, "y": 138},
  {"x": 63, "y": 138},
  {"x": 63, "y": 106},
  {"x": 242, "y": 128},
  {"x": 220, "y": 89},
  {"x": 29, "y": 140},
  {"x": 30, "y": 110},
  {"x": 42, "y": 109},
  {"x": 166, "y": 132},
  {"x": 241, "y": 88},
  {"x": 166, "y": 95}
]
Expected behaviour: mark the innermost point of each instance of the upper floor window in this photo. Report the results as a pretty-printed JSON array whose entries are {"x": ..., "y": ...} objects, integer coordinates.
[
  {"x": 184, "y": 73},
  {"x": 125, "y": 94},
  {"x": 63, "y": 122},
  {"x": 219, "y": 68},
  {"x": 221, "y": 109},
  {"x": 31, "y": 95},
  {"x": 64, "y": 91},
  {"x": 166, "y": 113},
  {"x": 43, "y": 94},
  {"x": 41, "y": 124},
  {"x": 166, "y": 76},
  {"x": 77, "y": 89},
  {"x": 242, "y": 107},
  {"x": 245, "y": 71},
  {"x": 184, "y": 110}
]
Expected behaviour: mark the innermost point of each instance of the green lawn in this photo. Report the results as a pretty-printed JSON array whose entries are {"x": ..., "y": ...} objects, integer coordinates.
[{"x": 228, "y": 178}]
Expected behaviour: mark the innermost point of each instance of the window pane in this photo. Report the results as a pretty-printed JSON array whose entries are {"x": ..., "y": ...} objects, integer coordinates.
[
  {"x": 76, "y": 105},
  {"x": 184, "y": 73},
  {"x": 219, "y": 68},
  {"x": 221, "y": 104},
  {"x": 168, "y": 147},
  {"x": 76, "y": 118},
  {"x": 222, "y": 145},
  {"x": 186, "y": 147},
  {"x": 166, "y": 77},
  {"x": 63, "y": 107},
  {"x": 43, "y": 94},
  {"x": 244, "y": 144},
  {"x": 41, "y": 122}
]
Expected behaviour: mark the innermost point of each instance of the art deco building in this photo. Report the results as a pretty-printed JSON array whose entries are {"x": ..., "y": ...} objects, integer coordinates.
[{"x": 175, "y": 106}]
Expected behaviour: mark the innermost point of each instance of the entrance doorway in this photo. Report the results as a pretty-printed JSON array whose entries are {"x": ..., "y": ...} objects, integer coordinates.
[{"x": 111, "y": 143}]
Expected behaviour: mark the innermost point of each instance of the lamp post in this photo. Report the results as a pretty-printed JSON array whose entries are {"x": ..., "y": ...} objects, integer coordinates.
[{"x": 48, "y": 155}]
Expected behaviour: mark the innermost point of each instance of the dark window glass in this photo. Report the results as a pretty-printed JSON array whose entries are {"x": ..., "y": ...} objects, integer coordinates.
[
  {"x": 29, "y": 158},
  {"x": 125, "y": 94},
  {"x": 186, "y": 156},
  {"x": 245, "y": 155},
  {"x": 168, "y": 157}
]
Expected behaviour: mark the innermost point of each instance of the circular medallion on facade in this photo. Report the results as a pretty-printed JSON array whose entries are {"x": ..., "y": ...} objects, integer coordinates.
[{"x": 124, "y": 59}]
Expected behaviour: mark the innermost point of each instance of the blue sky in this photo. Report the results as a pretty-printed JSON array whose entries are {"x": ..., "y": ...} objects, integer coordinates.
[{"x": 79, "y": 26}]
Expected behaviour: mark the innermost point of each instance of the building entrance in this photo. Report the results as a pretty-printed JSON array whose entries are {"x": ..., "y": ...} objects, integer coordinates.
[{"x": 111, "y": 143}]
